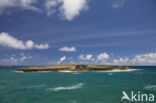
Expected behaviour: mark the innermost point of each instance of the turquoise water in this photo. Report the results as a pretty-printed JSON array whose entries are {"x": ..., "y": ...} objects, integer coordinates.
[{"x": 74, "y": 87}]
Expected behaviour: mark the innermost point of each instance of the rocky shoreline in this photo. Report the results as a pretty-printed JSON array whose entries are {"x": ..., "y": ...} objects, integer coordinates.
[{"x": 73, "y": 67}]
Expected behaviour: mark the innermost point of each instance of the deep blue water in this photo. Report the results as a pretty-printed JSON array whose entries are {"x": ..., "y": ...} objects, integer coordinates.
[{"x": 74, "y": 87}]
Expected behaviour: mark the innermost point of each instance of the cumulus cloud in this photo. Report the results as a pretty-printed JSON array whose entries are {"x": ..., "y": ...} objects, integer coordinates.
[
  {"x": 121, "y": 61},
  {"x": 72, "y": 8},
  {"x": 14, "y": 59},
  {"x": 85, "y": 57},
  {"x": 68, "y": 9},
  {"x": 62, "y": 59},
  {"x": 50, "y": 6},
  {"x": 24, "y": 4},
  {"x": 7, "y": 40},
  {"x": 103, "y": 56},
  {"x": 148, "y": 58},
  {"x": 68, "y": 49}
]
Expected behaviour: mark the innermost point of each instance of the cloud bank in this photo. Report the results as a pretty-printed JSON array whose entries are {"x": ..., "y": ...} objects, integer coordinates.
[
  {"x": 106, "y": 59},
  {"x": 139, "y": 59},
  {"x": 16, "y": 59},
  {"x": 7, "y": 40}
]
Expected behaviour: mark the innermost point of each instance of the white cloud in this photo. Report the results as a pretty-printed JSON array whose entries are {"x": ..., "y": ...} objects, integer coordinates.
[
  {"x": 85, "y": 57},
  {"x": 68, "y": 9},
  {"x": 62, "y": 59},
  {"x": 145, "y": 59},
  {"x": 24, "y": 4},
  {"x": 72, "y": 8},
  {"x": 14, "y": 59},
  {"x": 140, "y": 59},
  {"x": 117, "y": 4},
  {"x": 49, "y": 5},
  {"x": 103, "y": 56},
  {"x": 68, "y": 49},
  {"x": 121, "y": 61},
  {"x": 42, "y": 46},
  {"x": 7, "y": 40}
]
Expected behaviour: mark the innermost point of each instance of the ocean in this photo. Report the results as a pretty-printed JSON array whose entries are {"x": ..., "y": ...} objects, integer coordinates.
[{"x": 75, "y": 87}]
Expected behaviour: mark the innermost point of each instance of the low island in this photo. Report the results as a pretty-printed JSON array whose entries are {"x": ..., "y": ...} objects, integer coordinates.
[{"x": 73, "y": 67}]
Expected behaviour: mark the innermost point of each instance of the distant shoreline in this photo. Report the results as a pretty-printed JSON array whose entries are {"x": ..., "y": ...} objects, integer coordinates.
[{"x": 73, "y": 67}]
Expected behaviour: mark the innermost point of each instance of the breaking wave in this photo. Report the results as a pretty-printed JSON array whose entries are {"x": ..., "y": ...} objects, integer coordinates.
[
  {"x": 67, "y": 71},
  {"x": 17, "y": 71},
  {"x": 67, "y": 88},
  {"x": 43, "y": 71},
  {"x": 150, "y": 87},
  {"x": 119, "y": 70}
]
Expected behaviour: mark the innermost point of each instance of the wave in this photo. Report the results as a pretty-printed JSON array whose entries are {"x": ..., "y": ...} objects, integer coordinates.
[
  {"x": 119, "y": 70},
  {"x": 66, "y": 71},
  {"x": 150, "y": 87},
  {"x": 67, "y": 88},
  {"x": 76, "y": 73},
  {"x": 43, "y": 71},
  {"x": 17, "y": 71}
]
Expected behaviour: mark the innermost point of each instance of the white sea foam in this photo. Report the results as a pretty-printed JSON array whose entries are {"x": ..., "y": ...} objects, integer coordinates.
[
  {"x": 76, "y": 73},
  {"x": 17, "y": 71},
  {"x": 150, "y": 87},
  {"x": 119, "y": 70},
  {"x": 43, "y": 71},
  {"x": 66, "y": 71},
  {"x": 67, "y": 88}
]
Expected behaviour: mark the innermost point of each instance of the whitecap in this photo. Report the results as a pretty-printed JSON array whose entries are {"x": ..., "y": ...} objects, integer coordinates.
[
  {"x": 67, "y": 88},
  {"x": 150, "y": 87}
]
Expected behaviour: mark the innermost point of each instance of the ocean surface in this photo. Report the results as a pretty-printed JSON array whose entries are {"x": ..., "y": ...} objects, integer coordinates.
[{"x": 74, "y": 87}]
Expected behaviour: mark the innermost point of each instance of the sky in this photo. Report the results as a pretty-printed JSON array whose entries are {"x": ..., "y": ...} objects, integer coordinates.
[{"x": 48, "y": 32}]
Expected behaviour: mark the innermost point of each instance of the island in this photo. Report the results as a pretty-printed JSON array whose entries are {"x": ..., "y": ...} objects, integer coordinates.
[{"x": 73, "y": 67}]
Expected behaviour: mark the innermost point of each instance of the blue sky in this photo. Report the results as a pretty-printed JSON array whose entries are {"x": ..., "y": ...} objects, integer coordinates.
[{"x": 46, "y": 32}]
